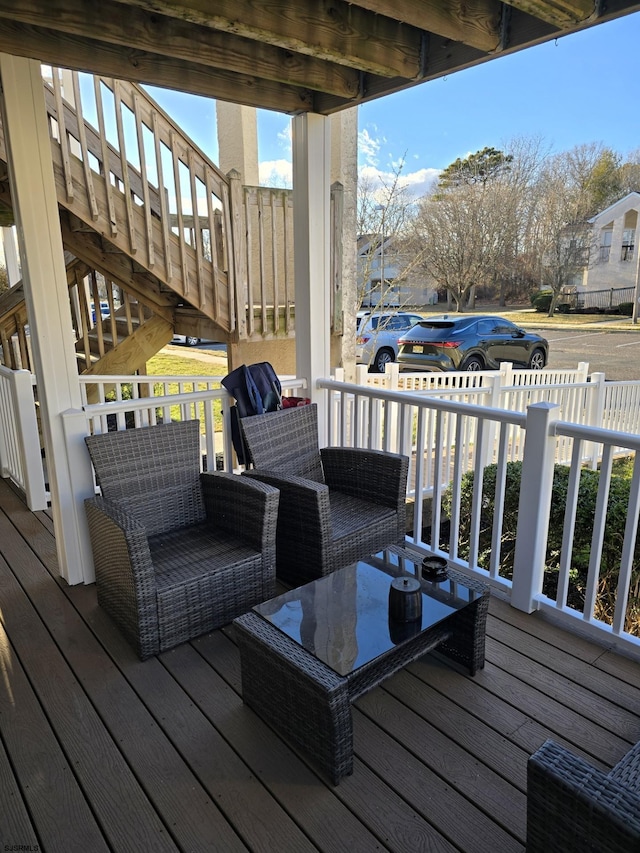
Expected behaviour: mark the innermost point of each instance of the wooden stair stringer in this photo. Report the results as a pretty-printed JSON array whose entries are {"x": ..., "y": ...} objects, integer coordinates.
[{"x": 132, "y": 353}]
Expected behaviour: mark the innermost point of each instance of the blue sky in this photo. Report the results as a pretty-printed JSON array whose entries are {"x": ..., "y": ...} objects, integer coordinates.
[{"x": 581, "y": 88}]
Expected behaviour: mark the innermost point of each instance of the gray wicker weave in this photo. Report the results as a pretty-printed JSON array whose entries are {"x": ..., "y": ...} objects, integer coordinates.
[
  {"x": 177, "y": 553},
  {"x": 572, "y": 807},
  {"x": 337, "y": 504},
  {"x": 309, "y": 703}
]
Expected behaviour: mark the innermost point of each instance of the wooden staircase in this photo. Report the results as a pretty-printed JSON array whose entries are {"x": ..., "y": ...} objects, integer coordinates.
[{"x": 150, "y": 225}]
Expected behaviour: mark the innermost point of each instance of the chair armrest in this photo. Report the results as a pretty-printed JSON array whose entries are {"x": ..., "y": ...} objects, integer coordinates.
[
  {"x": 573, "y": 806},
  {"x": 372, "y": 475},
  {"x": 125, "y": 578},
  {"x": 243, "y": 507},
  {"x": 290, "y": 483},
  {"x": 304, "y": 515}
]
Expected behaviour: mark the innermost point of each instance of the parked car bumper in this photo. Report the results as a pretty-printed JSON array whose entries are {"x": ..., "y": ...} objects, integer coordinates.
[
  {"x": 430, "y": 363},
  {"x": 363, "y": 355}
]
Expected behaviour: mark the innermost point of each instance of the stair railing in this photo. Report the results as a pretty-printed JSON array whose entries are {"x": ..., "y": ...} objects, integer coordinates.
[{"x": 144, "y": 184}]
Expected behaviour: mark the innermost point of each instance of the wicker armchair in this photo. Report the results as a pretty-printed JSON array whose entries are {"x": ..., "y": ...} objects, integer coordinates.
[
  {"x": 572, "y": 807},
  {"x": 337, "y": 505},
  {"x": 177, "y": 553}
]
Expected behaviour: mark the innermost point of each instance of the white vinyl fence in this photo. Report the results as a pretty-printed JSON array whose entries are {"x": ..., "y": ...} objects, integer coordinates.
[
  {"x": 444, "y": 439},
  {"x": 20, "y": 457}
]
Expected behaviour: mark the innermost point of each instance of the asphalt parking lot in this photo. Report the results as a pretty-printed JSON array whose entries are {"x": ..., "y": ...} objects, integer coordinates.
[{"x": 614, "y": 353}]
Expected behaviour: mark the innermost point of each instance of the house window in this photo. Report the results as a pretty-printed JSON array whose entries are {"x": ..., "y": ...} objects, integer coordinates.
[
  {"x": 628, "y": 239},
  {"x": 605, "y": 244}
]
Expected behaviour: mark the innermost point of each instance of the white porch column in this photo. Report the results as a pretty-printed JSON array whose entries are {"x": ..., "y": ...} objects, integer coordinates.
[
  {"x": 45, "y": 284},
  {"x": 11, "y": 256},
  {"x": 311, "y": 198}
]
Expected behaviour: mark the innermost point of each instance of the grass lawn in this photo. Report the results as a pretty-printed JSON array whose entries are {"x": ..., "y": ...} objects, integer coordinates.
[
  {"x": 524, "y": 316},
  {"x": 175, "y": 364}
]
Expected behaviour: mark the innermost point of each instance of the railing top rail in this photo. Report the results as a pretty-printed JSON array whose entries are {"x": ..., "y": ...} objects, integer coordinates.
[
  {"x": 621, "y": 383},
  {"x": 551, "y": 387},
  {"x": 114, "y": 379},
  {"x": 479, "y": 389},
  {"x": 128, "y": 88},
  {"x": 8, "y": 372},
  {"x": 614, "y": 438},
  {"x": 420, "y": 401},
  {"x": 118, "y": 406}
]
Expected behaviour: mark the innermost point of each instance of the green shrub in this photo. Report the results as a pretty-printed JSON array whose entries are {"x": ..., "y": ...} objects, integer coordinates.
[
  {"x": 625, "y": 308},
  {"x": 613, "y": 536},
  {"x": 541, "y": 300}
]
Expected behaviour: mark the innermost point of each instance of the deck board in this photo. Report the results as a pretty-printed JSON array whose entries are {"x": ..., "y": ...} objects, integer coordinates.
[{"x": 101, "y": 751}]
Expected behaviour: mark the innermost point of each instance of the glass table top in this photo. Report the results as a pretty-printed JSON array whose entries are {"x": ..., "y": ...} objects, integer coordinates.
[{"x": 343, "y": 618}]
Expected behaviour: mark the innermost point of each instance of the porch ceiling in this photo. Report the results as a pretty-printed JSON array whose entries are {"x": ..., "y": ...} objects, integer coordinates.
[{"x": 293, "y": 55}]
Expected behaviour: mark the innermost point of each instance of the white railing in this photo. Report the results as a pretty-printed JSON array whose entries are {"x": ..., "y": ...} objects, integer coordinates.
[
  {"x": 582, "y": 400},
  {"x": 138, "y": 401},
  {"x": 506, "y": 377},
  {"x": 611, "y": 596},
  {"x": 444, "y": 439},
  {"x": 20, "y": 457}
]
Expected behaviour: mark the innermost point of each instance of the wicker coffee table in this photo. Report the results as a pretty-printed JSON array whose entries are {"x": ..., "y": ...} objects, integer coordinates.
[{"x": 308, "y": 654}]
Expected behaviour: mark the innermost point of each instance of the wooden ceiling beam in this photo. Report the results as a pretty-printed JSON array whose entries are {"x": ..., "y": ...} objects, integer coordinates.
[
  {"x": 335, "y": 31},
  {"x": 126, "y": 26},
  {"x": 560, "y": 13},
  {"x": 475, "y": 23},
  {"x": 95, "y": 57}
]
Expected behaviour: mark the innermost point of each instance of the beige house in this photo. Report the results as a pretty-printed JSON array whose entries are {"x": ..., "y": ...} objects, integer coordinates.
[
  {"x": 612, "y": 254},
  {"x": 384, "y": 277}
]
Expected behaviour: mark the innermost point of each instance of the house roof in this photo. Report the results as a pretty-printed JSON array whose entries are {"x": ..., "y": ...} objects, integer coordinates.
[
  {"x": 289, "y": 55},
  {"x": 631, "y": 201}
]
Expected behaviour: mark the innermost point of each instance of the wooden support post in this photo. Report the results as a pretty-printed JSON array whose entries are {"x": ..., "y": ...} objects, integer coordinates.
[{"x": 33, "y": 191}]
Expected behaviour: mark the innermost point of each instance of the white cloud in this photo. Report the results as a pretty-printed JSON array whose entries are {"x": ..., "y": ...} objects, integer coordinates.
[
  {"x": 420, "y": 182},
  {"x": 368, "y": 147},
  {"x": 417, "y": 183},
  {"x": 284, "y": 138},
  {"x": 276, "y": 173}
]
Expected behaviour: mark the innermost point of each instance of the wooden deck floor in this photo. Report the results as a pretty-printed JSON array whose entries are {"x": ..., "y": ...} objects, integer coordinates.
[{"x": 99, "y": 751}]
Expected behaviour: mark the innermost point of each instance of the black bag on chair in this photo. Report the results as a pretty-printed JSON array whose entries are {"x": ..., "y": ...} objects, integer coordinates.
[{"x": 257, "y": 390}]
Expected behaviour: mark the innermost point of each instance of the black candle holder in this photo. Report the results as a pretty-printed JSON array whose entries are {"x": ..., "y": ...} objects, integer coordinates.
[
  {"x": 434, "y": 568},
  {"x": 405, "y": 599}
]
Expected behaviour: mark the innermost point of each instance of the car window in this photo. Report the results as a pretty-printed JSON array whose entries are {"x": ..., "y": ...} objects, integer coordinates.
[
  {"x": 437, "y": 324},
  {"x": 487, "y": 327},
  {"x": 393, "y": 324},
  {"x": 403, "y": 323}
]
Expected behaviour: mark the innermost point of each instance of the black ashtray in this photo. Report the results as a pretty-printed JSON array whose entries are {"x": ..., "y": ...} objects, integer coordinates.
[{"x": 434, "y": 568}]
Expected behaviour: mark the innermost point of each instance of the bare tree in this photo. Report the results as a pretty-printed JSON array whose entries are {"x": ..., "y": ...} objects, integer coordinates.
[
  {"x": 562, "y": 231},
  {"x": 461, "y": 232},
  {"x": 518, "y": 271},
  {"x": 383, "y": 211}
]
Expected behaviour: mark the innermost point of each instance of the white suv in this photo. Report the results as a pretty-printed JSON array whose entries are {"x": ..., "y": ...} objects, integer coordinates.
[{"x": 378, "y": 333}]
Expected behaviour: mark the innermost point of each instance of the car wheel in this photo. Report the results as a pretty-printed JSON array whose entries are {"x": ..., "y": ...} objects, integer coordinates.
[
  {"x": 382, "y": 359},
  {"x": 474, "y": 362},
  {"x": 537, "y": 360},
  {"x": 191, "y": 342}
]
